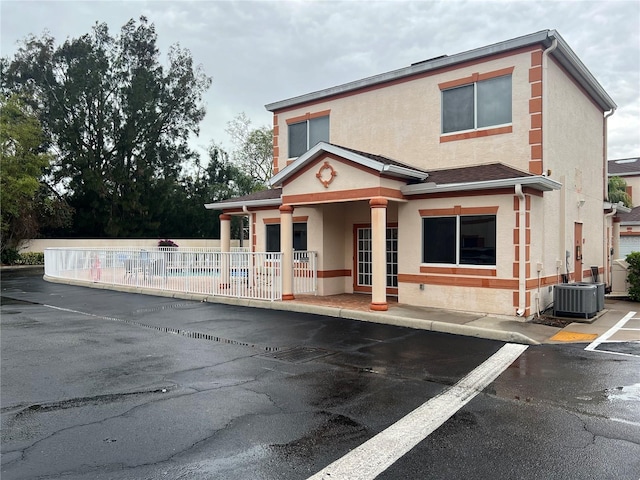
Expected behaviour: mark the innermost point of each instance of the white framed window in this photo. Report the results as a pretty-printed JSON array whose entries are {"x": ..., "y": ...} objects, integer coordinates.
[
  {"x": 477, "y": 105},
  {"x": 459, "y": 240},
  {"x": 304, "y": 135}
]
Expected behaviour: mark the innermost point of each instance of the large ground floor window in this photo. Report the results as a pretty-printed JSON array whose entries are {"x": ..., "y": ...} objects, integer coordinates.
[{"x": 459, "y": 240}]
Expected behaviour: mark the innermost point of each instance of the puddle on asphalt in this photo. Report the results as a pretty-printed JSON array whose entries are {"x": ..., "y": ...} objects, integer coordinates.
[
  {"x": 628, "y": 393},
  {"x": 14, "y": 301}
]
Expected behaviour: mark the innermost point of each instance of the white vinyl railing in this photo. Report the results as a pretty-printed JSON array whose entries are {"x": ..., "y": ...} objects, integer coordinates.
[{"x": 207, "y": 271}]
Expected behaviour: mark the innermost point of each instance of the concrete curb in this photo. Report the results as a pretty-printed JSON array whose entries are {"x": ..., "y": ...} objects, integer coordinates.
[{"x": 372, "y": 317}]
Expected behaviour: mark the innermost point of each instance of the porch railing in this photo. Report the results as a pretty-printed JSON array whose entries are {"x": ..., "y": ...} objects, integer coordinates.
[{"x": 238, "y": 273}]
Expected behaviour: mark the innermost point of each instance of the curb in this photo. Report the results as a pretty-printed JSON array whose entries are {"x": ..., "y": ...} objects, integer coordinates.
[{"x": 371, "y": 317}]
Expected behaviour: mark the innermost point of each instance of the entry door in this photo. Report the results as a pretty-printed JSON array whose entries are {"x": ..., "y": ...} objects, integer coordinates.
[
  {"x": 577, "y": 252},
  {"x": 364, "y": 275}
]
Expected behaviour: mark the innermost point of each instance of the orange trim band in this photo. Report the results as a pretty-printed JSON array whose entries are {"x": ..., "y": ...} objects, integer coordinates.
[
  {"x": 334, "y": 273},
  {"x": 308, "y": 116},
  {"x": 268, "y": 221},
  {"x": 344, "y": 195},
  {"x": 458, "y": 210},
  {"x": 476, "y": 134},
  {"x": 475, "y": 77},
  {"x": 459, "y": 271}
]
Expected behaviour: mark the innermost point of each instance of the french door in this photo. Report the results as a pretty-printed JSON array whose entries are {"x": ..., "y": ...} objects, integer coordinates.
[{"x": 364, "y": 274}]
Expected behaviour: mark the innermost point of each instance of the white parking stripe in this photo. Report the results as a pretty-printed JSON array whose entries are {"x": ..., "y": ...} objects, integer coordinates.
[
  {"x": 378, "y": 453},
  {"x": 606, "y": 335}
]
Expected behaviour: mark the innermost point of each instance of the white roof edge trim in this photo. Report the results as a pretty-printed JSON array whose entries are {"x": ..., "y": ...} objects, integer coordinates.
[
  {"x": 538, "y": 181},
  {"x": 405, "y": 171},
  {"x": 563, "y": 53},
  {"x": 297, "y": 164},
  {"x": 248, "y": 203},
  {"x": 619, "y": 207}
]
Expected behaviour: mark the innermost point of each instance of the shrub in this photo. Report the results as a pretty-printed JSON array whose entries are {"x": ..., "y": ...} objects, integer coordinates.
[
  {"x": 31, "y": 258},
  {"x": 10, "y": 256},
  {"x": 167, "y": 243},
  {"x": 633, "y": 275}
]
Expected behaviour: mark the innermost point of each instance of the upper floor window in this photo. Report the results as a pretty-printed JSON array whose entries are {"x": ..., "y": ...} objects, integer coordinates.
[
  {"x": 477, "y": 105},
  {"x": 305, "y": 134}
]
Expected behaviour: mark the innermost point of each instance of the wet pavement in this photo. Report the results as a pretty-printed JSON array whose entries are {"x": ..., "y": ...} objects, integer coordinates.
[{"x": 101, "y": 384}]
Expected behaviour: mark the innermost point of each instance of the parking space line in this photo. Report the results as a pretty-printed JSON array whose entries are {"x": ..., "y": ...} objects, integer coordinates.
[
  {"x": 606, "y": 335},
  {"x": 378, "y": 453}
]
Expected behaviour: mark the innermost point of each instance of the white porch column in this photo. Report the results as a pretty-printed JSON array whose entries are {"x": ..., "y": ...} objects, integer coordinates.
[
  {"x": 379, "y": 254},
  {"x": 225, "y": 248},
  {"x": 286, "y": 247}
]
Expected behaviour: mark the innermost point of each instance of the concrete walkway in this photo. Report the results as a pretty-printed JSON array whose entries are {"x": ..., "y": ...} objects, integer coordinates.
[{"x": 355, "y": 307}]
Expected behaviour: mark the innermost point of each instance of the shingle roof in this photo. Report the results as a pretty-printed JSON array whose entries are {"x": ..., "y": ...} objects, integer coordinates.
[
  {"x": 624, "y": 166},
  {"x": 379, "y": 158},
  {"x": 268, "y": 194},
  {"x": 632, "y": 216},
  {"x": 477, "y": 173}
]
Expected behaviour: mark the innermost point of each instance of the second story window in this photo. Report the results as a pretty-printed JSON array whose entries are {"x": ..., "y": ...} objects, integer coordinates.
[
  {"x": 304, "y": 135},
  {"x": 481, "y": 104}
]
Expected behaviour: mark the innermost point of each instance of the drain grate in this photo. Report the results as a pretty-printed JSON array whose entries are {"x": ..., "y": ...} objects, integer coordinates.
[{"x": 298, "y": 354}]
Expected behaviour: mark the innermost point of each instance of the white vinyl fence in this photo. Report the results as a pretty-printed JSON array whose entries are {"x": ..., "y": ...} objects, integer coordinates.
[{"x": 206, "y": 271}]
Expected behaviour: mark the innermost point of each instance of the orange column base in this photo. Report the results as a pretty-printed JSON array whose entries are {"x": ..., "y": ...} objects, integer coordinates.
[
  {"x": 288, "y": 296},
  {"x": 379, "y": 306}
]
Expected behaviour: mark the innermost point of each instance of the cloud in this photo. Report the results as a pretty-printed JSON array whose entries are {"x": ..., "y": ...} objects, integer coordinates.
[{"x": 259, "y": 52}]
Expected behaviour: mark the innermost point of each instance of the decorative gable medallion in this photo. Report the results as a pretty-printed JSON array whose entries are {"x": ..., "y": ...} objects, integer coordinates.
[{"x": 325, "y": 174}]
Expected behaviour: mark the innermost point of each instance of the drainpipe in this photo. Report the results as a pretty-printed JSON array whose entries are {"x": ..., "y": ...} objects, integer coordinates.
[
  {"x": 607, "y": 216},
  {"x": 605, "y": 139},
  {"x": 522, "y": 253}
]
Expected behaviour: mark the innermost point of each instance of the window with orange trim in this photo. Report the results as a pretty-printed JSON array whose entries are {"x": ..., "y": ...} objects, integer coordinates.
[
  {"x": 304, "y": 135},
  {"x": 478, "y": 105},
  {"x": 459, "y": 240}
]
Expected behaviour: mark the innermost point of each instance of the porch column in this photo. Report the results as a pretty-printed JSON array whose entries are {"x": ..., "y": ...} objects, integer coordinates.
[
  {"x": 286, "y": 247},
  {"x": 225, "y": 248},
  {"x": 379, "y": 254}
]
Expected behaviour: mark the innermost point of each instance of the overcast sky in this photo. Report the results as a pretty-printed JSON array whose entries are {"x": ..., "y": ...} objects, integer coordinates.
[{"x": 259, "y": 52}]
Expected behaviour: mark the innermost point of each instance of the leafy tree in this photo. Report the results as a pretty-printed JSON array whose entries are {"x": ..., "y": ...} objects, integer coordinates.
[
  {"x": 633, "y": 276},
  {"x": 21, "y": 166},
  {"x": 618, "y": 191},
  {"x": 117, "y": 120},
  {"x": 253, "y": 148}
]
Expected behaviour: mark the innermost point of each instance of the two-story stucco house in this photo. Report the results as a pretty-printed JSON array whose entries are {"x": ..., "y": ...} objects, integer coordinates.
[{"x": 474, "y": 181}]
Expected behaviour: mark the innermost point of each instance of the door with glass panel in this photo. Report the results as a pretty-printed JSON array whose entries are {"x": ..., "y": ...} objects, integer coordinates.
[{"x": 364, "y": 275}]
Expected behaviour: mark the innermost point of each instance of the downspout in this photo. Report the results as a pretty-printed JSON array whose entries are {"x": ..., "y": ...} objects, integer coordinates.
[
  {"x": 607, "y": 216},
  {"x": 606, "y": 255},
  {"x": 545, "y": 128},
  {"x": 522, "y": 254}
]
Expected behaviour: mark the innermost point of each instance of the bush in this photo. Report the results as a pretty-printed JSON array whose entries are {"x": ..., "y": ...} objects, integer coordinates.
[
  {"x": 12, "y": 257},
  {"x": 167, "y": 243},
  {"x": 31, "y": 258},
  {"x": 633, "y": 276}
]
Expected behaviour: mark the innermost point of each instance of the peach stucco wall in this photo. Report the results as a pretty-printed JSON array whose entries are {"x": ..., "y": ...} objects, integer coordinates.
[{"x": 403, "y": 121}]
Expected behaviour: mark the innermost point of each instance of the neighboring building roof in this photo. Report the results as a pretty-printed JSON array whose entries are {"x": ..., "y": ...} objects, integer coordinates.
[
  {"x": 630, "y": 218},
  {"x": 624, "y": 167},
  {"x": 563, "y": 54},
  {"x": 269, "y": 197},
  {"x": 377, "y": 163}
]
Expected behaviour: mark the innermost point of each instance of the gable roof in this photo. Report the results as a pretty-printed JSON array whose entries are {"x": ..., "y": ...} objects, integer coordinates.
[
  {"x": 377, "y": 163},
  {"x": 546, "y": 38},
  {"x": 630, "y": 218},
  {"x": 624, "y": 166}
]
